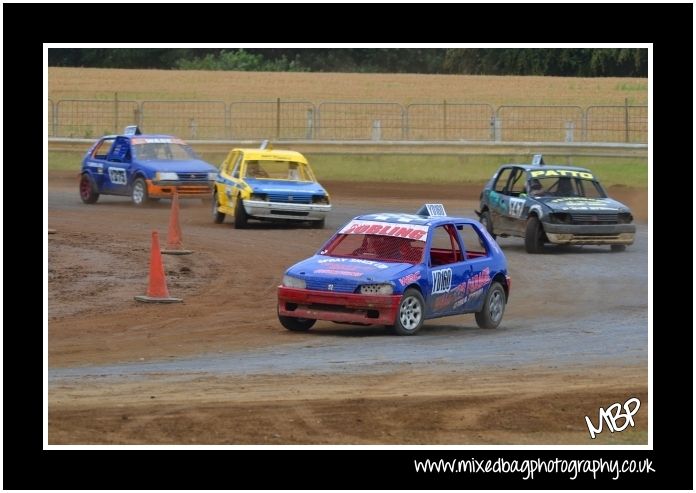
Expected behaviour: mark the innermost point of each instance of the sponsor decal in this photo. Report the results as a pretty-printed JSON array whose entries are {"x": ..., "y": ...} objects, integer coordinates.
[
  {"x": 411, "y": 278},
  {"x": 339, "y": 272},
  {"x": 412, "y": 231},
  {"x": 117, "y": 176},
  {"x": 442, "y": 281},
  {"x": 470, "y": 290},
  {"x": 156, "y": 141},
  {"x": 548, "y": 173}
]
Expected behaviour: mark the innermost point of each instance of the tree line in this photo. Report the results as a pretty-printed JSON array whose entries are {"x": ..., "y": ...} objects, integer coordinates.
[{"x": 572, "y": 62}]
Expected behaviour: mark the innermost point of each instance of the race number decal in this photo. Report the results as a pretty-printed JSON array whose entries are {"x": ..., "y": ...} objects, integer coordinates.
[
  {"x": 436, "y": 209},
  {"x": 117, "y": 176},
  {"x": 442, "y": 281},
  {"x": 516, "y": 206}
]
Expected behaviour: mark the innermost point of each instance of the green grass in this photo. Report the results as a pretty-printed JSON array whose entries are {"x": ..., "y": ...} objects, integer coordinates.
[{"x": 426, "y": 168}]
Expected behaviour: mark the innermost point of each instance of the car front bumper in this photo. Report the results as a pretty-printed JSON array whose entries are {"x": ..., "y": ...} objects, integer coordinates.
[
  {"x": 164, "y": 189},
  {"x": 590, "y": 234},
  {"x": 282, "y": 210},
  {"x": 338, "y": 307}
]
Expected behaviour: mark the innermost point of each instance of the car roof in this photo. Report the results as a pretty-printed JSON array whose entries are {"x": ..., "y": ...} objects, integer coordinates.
[
  {"x": 144, "y": 136},
  {"x": 534, "y": 167},
  {"x": 261, "y": 154},
  {"x": 406, "y": 219}
]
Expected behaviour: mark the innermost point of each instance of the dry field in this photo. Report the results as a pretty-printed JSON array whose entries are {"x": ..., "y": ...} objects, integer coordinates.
[{"x": 92, "y": 83}]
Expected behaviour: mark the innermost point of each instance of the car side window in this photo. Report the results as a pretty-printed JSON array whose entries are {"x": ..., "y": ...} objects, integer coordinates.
[
  {"x": 474, "y": 245},
  {"x": 517, "y": 183},
  {"x": 102, "y": 149},
  {"x": 237, "y": 164},
  {"x": 501, "y": 182},
  {"x": 444, "y": 246}
]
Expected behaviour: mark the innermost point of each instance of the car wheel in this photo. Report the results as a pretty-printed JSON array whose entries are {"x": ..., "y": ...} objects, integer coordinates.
[
  {"x": 240, "y": 215},
  {"x": 491, "y": 314},
  {"x": 487, "y": 223},
  {"x": 88, "y": 190},
  {"x": 618, "y": 248},
  {"x": 411, "y": 313},
  {"x": 319, "y": 224},
  {"x": 296, "y": 324},
  {"x": 218, "y": 217},
  {"x": 139, "y": 194},
  {"x": 534, "y": 236}
]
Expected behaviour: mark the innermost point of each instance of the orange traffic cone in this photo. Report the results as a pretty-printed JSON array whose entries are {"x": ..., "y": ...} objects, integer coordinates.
[
  {"x": 174, "y": 244},
  {"x": 157, "y": 291}
]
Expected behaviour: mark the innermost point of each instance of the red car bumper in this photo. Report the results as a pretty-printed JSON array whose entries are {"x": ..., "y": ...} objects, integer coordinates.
[{"x": 338, "y": 307}]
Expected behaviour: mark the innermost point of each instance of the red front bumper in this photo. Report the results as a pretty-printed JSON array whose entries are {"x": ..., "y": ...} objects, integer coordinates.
[{"x": 338, "y": 307}]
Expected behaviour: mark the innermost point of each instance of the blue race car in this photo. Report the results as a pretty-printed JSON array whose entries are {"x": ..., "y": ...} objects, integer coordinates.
[
  {"x": 144, "y": 167},
  {"x": 398, "y": 270}
]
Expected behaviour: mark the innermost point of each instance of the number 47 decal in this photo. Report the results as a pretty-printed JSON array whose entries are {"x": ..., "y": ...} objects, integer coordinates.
[{"x": 516, "y": 206}]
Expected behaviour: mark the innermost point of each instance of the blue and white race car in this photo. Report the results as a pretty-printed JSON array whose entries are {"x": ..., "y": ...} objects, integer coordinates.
[
  {"x": 399, "y": 270},
  {"x": 144, "y": 167}
]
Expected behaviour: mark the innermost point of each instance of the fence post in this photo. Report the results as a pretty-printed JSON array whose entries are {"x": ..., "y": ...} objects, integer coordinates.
[
  {"x": 626, "y": 117},
  {"x": 278, "y": 119},
  {"x": 444, "y": 119},
  {"x": 376, "y": 130},
  {"x": 569, "y": 128},
  {"x": 115, "y": 112},
  {"x": 310, "y": 123}
]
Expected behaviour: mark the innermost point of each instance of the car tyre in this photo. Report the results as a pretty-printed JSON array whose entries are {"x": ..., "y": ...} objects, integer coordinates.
[
  {"x": 218, "y": 217},
  {"x": 88, "y": 190},
  {"x": 139, "y": 194},
  {"x": 534, "y": 236},
  {"x": 240, "y": 215},
  {"x": 296, "y": 324},
  {"x": 493, "y": 309},
  {"x": 618, "y": 248},
  {"x": 411, "y": 314},
  {"x": 487, "y": 223},
  {"x": 318, "y": 224}
]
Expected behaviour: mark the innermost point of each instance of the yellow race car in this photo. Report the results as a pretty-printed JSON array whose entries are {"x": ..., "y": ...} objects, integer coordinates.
[{"x": 268, "y": 185}]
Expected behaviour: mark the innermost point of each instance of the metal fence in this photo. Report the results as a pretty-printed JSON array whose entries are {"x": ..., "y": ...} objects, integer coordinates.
[
  {"x": 273, "y": 119},
  {"x": 351, "y": 120},
  {"x": 51, "y": 113},
  {"x": 617, "y": 124},
  {"x": 449, "y": 121}
]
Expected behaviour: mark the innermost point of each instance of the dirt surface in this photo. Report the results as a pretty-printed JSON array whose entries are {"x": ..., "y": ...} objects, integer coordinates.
[{"x": 219, "y": 368}]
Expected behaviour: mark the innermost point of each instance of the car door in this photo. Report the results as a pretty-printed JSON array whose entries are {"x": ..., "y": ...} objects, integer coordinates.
[
  {"x": 497, "y": 200},
  {"x": 478, "y": 259},
  {"x": 98, "y": 163},
  {"x": 117, "y": 167},
  {"x": 448, "y": 271},
  {"x": 517, "y": 199},
  {"x": 231, "y": 182}
]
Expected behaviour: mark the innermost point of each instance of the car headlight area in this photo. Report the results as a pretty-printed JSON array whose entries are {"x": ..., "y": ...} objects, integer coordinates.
[
  {"x": 294, "y": 282},
  {"x": 383, "y": 288}
]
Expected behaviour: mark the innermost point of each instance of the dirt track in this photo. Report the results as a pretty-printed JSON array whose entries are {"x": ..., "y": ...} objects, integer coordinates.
[{"x": 220, "y": 369}]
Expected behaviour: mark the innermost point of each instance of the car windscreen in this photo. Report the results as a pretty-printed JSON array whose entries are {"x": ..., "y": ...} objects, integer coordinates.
[
  {"x": 565, "y": 187},
  {"x": 163, "y": 151},
  {"x": 278, "y": 170},
  {"x": 376, "y": 247}
]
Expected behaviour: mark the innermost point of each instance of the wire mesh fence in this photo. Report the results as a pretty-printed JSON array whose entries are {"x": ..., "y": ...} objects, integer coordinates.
[
  {"x": 93, "y": 118},
  {"x": 272, "y": 120},
  {"x": 360, "y": 121},
  {"x": 539, "y": 123},
  {"x": 51, "y": 113},
  {"x": 186, "y": 119},
  {"x": 617, "y": 124},
  {"x": 449, "y": 121},
  {"x": 350, "y": 120}
]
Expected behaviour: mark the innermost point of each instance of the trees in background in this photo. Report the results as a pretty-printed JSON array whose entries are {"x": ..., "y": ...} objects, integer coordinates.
[{"x": 580, "y": 62}]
